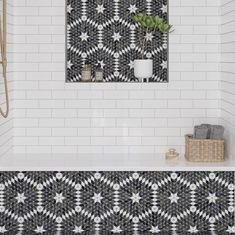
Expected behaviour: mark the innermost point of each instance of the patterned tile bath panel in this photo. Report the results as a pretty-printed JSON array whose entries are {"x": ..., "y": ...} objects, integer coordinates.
[
  {"x": 117, "y": 202},
  {"x": 102, "y": 32}
]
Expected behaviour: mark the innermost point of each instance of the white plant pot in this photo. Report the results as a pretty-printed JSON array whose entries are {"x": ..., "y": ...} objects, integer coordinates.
[{"x": 143, "y": 69}]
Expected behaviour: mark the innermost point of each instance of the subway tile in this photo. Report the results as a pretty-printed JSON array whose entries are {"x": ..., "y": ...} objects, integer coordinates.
[
  {"x": 103, "y": 140},
  {"x": 76, "y": 141},
  {"x": 45, "y": 122},
  {"x": 116, "y": 131},
  {"x": 54, "y": 117},
  {"x": 36, "y": 132},
  {"x": 128, "y": 122},
  {"x": 90, "y": 131},
  {"x": 66, "y": 131},
  {"x": 128, "y": 140},
  {"x": 77, "y": 122},
  {"x": 141, "y": 132},
  {"x": 103, "y": 122}
]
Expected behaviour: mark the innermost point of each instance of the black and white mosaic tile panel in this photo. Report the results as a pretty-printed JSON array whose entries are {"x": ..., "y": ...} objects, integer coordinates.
[
  {"x": 103, "y": 33},
  {"x": 117, "y": 202}
]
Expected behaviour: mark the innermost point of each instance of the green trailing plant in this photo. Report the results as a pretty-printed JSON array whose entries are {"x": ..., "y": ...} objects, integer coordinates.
[{"x": 151, "y": 23}]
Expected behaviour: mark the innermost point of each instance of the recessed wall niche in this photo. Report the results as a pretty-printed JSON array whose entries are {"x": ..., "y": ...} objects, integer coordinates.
[{"x": 102, "y": 33}]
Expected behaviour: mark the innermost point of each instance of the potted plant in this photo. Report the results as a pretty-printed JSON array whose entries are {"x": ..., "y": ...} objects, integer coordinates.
[{"x": 143, "y": 68}]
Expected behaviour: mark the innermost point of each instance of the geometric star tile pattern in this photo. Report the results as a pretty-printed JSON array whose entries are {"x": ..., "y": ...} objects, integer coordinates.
[
  {"x": 117, "y": 202},
  {"x": 103, "y": 33}
]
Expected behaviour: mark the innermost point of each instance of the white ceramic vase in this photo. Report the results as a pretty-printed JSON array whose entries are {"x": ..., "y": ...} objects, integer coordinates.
[{"x": 143, "y": 69}]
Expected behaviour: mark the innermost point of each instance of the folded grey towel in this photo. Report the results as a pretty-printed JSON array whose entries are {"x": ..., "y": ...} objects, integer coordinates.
[
  {"x": 201, "y": 132},
  {"x": 216, "y": 132},
  {"x": 207, "y": 131},
  {"x": 208, "y": 126}
]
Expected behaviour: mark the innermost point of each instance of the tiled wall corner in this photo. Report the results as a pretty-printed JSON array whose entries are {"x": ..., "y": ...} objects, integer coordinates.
[
  {"x": 6, "y": 125},
  {"x": 228, "y": 72}
]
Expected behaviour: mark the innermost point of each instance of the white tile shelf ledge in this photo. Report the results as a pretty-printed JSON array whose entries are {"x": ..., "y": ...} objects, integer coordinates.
[{"x": 106, "y": 162}]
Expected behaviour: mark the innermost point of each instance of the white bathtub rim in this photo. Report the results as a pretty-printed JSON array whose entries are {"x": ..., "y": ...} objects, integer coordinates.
[{"x": 105, "y": 162}]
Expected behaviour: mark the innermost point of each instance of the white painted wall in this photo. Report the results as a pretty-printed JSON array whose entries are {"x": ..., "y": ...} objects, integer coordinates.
[
  {"x": 228, "y": 72},
  {"x": 6, "y": 125},
  {"x": 53, "y": 117}
]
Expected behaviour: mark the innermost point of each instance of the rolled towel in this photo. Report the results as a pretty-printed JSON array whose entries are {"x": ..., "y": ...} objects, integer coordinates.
[
  {"x": 201, "y": 132},
  {"x": 209, "y": 129},
  {"x": 216, "y": 132}
]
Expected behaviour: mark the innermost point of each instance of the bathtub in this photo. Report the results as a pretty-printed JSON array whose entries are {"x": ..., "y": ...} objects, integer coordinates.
[
  {"x": 105, "y": 162},
  {"x": 72, "y": 194}
]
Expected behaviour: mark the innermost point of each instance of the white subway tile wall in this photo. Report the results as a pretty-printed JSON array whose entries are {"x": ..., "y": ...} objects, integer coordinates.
[
  {"x": 228, "y": 72},
  {"x": 6, "y": 125},
  {"x": 53, "y": 117}
]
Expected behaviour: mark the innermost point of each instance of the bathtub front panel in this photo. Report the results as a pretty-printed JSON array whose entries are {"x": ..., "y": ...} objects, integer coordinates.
[{"x": 77, "y": 202}]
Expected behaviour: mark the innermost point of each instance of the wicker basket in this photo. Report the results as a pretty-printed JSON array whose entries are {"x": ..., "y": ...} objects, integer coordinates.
[{"x": 203, "y": 150}]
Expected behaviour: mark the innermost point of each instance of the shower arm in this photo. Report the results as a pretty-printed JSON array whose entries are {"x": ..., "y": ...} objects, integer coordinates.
[{"x": 3, "y": 39}]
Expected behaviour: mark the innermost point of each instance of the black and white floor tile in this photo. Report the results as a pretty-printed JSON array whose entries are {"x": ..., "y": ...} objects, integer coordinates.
[
  {"x": 103, "y": 33},
  {"x": 117, "y": 202}
]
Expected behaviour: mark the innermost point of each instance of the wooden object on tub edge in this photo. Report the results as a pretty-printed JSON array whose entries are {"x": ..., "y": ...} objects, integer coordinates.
[
  {"x": 172, "y": 155},
  {"x": 203, "y": 150}
]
